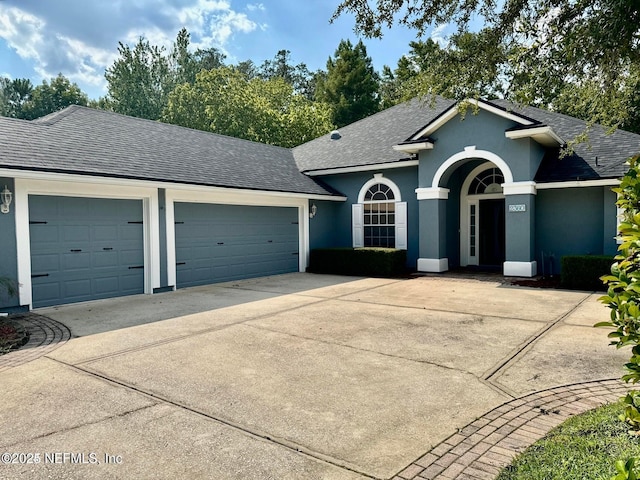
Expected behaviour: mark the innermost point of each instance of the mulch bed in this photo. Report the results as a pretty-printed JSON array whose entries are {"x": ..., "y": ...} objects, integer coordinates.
[
  {"x": 12, "y": 335},
  {"x": 538, "y": 282}
]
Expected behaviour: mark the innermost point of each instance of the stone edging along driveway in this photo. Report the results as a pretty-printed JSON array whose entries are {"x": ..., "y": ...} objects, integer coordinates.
[
  {"x": 45, "y": 335},
  {"x": 481, "y": 449}
]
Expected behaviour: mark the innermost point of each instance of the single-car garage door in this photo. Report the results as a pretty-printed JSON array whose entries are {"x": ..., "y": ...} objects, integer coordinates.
[
  {"x": 218, "y": 243},
  {"x": 85, "y": 248}
]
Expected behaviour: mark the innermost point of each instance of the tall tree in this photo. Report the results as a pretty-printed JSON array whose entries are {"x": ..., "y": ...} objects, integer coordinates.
[
  {"x": 50, "y": 97},
  {"x": 19, "y": 98},
  {"x": 14, "y": 94},
  {"x": 297, "y": 76},
  {"x": 225, "y": 101},
  {"x": 576, "y": 42},
  {"x": 140, "y": 80},
  {"x": 351, "y": 84}
]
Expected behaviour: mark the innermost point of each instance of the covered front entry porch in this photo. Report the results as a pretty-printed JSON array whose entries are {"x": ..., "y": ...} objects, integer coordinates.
[{"x": 475, "y": 215}]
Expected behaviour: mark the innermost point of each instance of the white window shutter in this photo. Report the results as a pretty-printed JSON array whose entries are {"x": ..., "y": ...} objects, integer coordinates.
[
  {"x": 401, "y": 225},
  {"x": 357, "y": 221}
]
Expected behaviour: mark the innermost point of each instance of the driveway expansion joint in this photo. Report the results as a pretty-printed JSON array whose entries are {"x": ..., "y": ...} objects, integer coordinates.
[
  {"x": 246, "y": 430},
  {"x": 485, "y": 446},
  {"x": 527, "y": 345}
]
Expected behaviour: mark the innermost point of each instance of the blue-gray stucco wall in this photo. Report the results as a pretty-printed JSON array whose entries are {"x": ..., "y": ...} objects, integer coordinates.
[
  {"x": 485, "y": 131},
  {"x": 332, "y": 225},
  {"x": 8, "y": 252},
  {"x": 574, "y": 221}
]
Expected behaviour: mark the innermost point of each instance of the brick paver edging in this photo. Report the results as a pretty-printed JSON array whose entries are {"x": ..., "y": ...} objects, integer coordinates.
[
  {"x": 45, "y": 335},
  {"x": 481, "y": 449}
]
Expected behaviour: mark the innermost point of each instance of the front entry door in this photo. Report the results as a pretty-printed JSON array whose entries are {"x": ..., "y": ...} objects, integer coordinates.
[{"x": 492, "y": 232}]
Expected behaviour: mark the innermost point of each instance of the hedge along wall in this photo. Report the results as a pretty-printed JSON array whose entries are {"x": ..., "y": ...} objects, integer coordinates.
[
  {"x": 367, "y": 262},
  {"x": 583, "y": 272}
]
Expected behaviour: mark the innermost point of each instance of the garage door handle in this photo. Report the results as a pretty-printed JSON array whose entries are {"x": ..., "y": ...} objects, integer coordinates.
[
  {"x": 136, "y": 267},
  {"x": 135, "y": 223},
  {"x": 38, "y": 275},
  {"x": 37, "y": 223},
  {"x": 108, "y": 248},
  {"x": 220, "y": 243},
  {"x": 269, "y": 241},
  {"x": 75, "y": 250},
  {"x": 181, "y": 263}
]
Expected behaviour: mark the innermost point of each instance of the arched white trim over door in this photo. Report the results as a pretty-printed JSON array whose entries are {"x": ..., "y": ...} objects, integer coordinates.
[{"x": 470, "y": 153}]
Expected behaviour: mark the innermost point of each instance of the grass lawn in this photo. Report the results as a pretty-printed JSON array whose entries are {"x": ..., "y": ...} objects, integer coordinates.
[{"x": 585, "y": 447}]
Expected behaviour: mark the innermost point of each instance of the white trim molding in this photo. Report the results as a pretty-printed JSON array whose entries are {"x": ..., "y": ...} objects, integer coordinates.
[
  {"x": 544, "y": 135},
  {"x": 455, "y": 109},
  {"x": 519, "y": 188},
  {"x": 379, "y": 178},
  {"x": 205, "y": 195},
  {"x": 431, "y": 193},
  {"x": 130, "y": 182},
  {"x": 436, "y": 265},
  {"x": 520, "y": 269},
  {"x": 413, "y": 147},
  {"x": 605, "y": 182},
  {"x": 149, "y": 196},
  {"x": 362, "y": 168},
  {"x": 471, "y": 153}
]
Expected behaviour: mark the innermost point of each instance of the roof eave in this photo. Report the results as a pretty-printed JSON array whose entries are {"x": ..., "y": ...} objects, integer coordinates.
[
  {"x": 544, "y": 135},
  {"x": 413, "y": 147}
]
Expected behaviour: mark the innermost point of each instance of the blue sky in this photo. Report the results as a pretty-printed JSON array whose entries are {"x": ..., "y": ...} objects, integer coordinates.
[{"x": 79, "y": 38}]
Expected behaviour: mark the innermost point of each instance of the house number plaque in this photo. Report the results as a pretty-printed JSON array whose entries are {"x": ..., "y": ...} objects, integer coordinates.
[{"x": 518, "y": 208}]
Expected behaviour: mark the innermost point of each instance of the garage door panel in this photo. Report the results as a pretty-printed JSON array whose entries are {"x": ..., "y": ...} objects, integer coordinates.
[
  {"x": 82, "y": 248},
  {"x": 217, "y": 243}
]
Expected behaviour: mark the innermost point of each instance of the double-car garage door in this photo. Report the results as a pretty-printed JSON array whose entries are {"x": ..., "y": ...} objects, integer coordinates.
[
  {"x": 218, "y": 243},
  {"x": 91, "y": 248}
]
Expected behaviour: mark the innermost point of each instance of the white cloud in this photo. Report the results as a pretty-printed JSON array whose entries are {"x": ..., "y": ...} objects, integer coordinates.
[
  {"x": 438, "y": 35},
  {"x": 81, "y": 46},
  {"x": 252, "y": 7}
]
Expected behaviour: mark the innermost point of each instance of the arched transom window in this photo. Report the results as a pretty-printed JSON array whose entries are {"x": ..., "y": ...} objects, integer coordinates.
[
  {"x": 488, "y": 181},
  {"x": 379, "y": 217}
]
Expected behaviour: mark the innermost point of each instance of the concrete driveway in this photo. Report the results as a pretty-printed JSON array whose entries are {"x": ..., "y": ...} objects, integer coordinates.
[{"x": 297, "y": 376}]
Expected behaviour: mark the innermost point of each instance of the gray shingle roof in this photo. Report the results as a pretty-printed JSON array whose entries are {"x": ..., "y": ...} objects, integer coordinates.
[
  {"x": 369, "y": 141},
  {"x": 92, "y": 142},
  {"x": 611, "y": 150}
]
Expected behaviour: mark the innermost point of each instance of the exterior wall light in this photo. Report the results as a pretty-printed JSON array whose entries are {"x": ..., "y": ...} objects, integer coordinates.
[
  {"x": 313, "y": 211},
  {"x": 5, "y": 198}
]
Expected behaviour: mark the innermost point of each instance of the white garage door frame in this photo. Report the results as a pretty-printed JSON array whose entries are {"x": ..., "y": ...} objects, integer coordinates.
[
  {"x": 247, "y": 198},
  {"x": 92, "y": 188}
]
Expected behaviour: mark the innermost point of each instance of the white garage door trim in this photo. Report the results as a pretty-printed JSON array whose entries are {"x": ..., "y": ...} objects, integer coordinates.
[
  {"x": 245, "y": 198},
  {"x": 149, "y": 196}
]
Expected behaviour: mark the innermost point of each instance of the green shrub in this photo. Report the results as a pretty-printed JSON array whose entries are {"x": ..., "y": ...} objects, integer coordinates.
[
  {"x": 583, "y": 272},
  {"x": 367, "y": 262}
]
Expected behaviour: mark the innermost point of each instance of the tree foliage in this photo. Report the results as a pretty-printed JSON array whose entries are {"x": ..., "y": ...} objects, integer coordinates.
[
  {"x": 464, "y": 68},
  {"x": 298, "y": 76},
  {"x": 50, "y": 97},
  {"x": 623, "y": 285},
  {"x": 140, "y": 80},
  {"x": 225, "y": 101},
  {"x": 559, "y": 51},
  {"x": 14, "y": 94},
  {"x": 20, "y": 99},
  {"x": 351, "y": 84}
]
